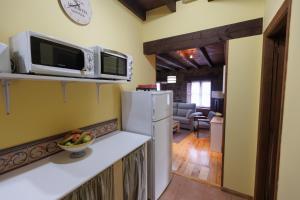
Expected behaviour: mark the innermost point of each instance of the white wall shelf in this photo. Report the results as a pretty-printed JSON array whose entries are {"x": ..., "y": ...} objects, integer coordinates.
[
  {"x": 6, "y": 79},
  {"x": 11, "y": 76}
]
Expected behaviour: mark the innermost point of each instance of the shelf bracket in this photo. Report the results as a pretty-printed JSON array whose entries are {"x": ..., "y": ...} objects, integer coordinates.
[
  {"x": 6, "y": 94},
  {"x": 64, "y": 90},
  {"x": 98, "y": 92}
]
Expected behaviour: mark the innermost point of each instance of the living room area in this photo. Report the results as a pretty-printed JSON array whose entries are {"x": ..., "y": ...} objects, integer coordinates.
[{"x": 197, "y": 78}]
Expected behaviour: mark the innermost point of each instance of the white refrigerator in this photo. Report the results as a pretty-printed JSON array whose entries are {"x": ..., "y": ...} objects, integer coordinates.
[{"x": 150, "y": 113}]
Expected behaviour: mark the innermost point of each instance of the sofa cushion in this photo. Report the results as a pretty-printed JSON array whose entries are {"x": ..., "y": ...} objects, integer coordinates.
[
  {"x": 182, "y": 120},
  {"x": 188, "y": 113},
  {"x": 194, "y": 114},
  {"x": 187, "y": 106},
  {"x": 182, "y": 112},
  {"x": 175, "y": 108}
]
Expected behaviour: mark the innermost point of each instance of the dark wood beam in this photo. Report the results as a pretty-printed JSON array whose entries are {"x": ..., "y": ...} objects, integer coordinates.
[
  {"x": 164, "y": 66},
  {"x": 171, "y": 4},
  {"x": 184, "y": 59},
  {"x": 191, "y": 62},
  {"x": 206, "y": 56},
  {"x": 169, "y": 61},
  {"x": 205, "y": 37},
  {"x": 177, "y": 58},
  {"x": 134, "y": 7},
  {"x": 158, "y": 68}
]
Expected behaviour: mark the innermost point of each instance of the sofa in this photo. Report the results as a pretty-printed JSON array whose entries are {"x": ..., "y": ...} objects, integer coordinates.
[{"x": 184, "y": 112}]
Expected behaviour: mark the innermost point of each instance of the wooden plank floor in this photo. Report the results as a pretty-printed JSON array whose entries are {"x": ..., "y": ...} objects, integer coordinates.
[
  {"x": 182, "y": 188},
  {"x": 192, "y": 158}
]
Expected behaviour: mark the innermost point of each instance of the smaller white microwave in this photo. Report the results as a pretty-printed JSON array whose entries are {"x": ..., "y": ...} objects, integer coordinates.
[
  {"x": 111, "y": 64},
  {"x": 35, "y": 53}
]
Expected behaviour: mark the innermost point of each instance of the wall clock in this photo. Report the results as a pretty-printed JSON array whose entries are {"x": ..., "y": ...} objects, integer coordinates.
[{"x": 80, "y": 11}]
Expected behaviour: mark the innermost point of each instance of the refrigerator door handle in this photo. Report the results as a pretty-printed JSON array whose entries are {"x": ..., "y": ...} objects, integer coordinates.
[{"x": 153, "y": 133}]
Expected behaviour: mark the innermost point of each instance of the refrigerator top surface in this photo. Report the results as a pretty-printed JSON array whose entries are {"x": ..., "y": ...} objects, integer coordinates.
[{"x": 152, "y": 92}]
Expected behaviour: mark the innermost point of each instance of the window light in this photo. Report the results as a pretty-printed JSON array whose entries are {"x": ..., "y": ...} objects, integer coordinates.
[{"x": 171, "y": 79}]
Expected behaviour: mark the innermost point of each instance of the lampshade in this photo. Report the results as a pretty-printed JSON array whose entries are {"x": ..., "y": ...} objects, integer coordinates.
[
  {"x": 217, "y": 94},
  {"x": 171, "y": 79}
]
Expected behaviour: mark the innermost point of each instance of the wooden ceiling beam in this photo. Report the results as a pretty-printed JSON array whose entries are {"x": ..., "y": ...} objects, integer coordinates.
[
  {"x": 140, "y": 8},
  {"x": 134, "y": 7},
  {"x": 171, "y": 4},
  {"x": 206, "y": 56},
  {"x": 158, "y": 68},
  {"x": 205, "y": 37},
  {"x": 183, "y": 59},
  {"x": 169, "y": 61},
  {"x": 191, "y": 62},
  {"x": 174, "y": 56},
  {"x": 165, "y": 67}
]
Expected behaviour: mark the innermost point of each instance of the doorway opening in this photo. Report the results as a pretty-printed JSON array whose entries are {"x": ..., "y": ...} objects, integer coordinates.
[
  {"x": 196, "y": 77},
  {"x": 200, "y": 40},
  {"x": 275, "y": 55}
]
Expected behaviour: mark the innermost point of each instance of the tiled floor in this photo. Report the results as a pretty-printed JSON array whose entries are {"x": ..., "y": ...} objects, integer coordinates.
[
  {"x": 182, "y": 188},
  {"x": 192, "y": 158}
]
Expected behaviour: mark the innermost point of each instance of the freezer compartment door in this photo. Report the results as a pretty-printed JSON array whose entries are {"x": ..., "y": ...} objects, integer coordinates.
[
  {"x": 137, "y": 112},
  {"x": 162, "y": 155},
  {"x": 162, "y": 106}
]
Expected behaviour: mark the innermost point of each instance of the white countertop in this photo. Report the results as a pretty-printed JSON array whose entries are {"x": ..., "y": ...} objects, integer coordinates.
[{"x": 56, "y": 176}]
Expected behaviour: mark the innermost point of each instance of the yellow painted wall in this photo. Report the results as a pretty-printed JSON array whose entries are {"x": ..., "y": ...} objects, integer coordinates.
[
  {"x": 243, "y": 90},
  {"x": 288, "y": 186},
  {"x": 199, "y": 15},
  {"x": 271, "y": 7},
  {"x": 37, "y": 107}
]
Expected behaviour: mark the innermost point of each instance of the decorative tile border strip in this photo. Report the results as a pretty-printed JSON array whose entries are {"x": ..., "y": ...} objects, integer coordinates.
[{"x": 19, "y": 156}]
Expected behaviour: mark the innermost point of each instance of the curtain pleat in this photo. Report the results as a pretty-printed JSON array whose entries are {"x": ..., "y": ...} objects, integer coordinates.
[
  {"x": 134, "y": 175},
  {"x": 99, "y": 188}
]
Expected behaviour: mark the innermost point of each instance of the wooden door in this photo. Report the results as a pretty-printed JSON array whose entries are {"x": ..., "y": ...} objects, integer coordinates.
[{"x": 275, "y": 52}]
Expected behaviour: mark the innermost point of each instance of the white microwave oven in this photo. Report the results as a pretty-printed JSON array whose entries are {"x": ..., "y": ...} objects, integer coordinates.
[
  {"x": 111, "y": 64},
  {"x": 35, "y": 53}
]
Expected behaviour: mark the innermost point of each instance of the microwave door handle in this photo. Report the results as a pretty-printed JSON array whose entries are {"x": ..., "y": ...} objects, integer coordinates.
[{"x": 85, "y": 68}]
